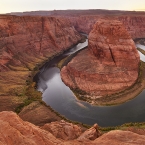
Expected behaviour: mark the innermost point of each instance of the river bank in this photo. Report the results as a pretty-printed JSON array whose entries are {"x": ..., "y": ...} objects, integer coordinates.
[
  {"x": 118, "y": 98},
  {"x": 33, "y": 99},
  {"x": 114, "y": 99},
  {"x": 77, "y": 110},
  {"x": 123, "y": 96}
]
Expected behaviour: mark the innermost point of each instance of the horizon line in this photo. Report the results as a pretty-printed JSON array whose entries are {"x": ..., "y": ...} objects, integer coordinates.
[{"x": 143, "y": 10}]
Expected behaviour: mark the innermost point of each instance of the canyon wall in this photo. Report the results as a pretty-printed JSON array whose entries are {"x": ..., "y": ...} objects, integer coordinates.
[
  {"x": 25, "y": 43},
  {"x": 83, "y": 20},
  {"x": 109, "y": 65},
  {"x": 26, "y": 40},
  {"x": 134, "y": 24}
]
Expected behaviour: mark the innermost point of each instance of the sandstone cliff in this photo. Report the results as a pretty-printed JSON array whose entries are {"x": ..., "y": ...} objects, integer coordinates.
[
  {"x": 25, "y": 43},
  {"x": 83, "y": 20},
  {"x": 63, "y": 130},
  {"x": 15, "y": 131},
  {"x": 27, "y": 40},
  {"x": 135, "y": 24},
  {"x": 109, "y": 65}
]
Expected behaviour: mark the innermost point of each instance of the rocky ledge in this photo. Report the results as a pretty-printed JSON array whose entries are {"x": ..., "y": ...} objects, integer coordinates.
[
  {"x": 15, "y": 131},
  {"x": 109, "y": 65}
]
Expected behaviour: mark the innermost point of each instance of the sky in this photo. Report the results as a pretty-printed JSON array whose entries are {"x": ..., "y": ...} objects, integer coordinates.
[{"x": 7, "y": 6}]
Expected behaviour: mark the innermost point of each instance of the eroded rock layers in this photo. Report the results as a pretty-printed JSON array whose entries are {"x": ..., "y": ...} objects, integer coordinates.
[
  {"x": 134, "y": 24},
  {"x": 109, "y": 65},
  {"x": 26, "y": 42},
  {"x": 15, "y": 131},
  {"x": 24, "y": 39}
]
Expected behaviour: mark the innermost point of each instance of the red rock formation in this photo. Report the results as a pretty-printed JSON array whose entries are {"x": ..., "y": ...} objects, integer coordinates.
[
  {"x": 135, "y": 24},
  {"x": 63, "y": 130},
  {"x": 26, "y": 42},
  {"x": 90, "y": 134},
  {"x": 83, "y": 20},
  {"x": 119, "y": 137},
  {"x": 89, "y": 21},
  {"x": 138, "y": 130},
  {"x": 109, "y": 65},
  {"x": 38, "y": 114},
  {"x": 15, "y": 131}
]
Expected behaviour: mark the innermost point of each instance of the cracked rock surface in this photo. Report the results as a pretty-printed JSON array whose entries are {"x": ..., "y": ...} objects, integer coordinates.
[{"x": 109, "y": 65}]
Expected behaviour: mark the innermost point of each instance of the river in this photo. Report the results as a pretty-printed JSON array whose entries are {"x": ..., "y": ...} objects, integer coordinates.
[{"x": 61, "y": 99}]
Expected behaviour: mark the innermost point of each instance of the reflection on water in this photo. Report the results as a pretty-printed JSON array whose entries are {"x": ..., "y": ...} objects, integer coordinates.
[
  {"x": 77, "y": 47},
  {"x": 142, "y": 56},
  {"x": 61, "y": 99},
  {"x": 140, "y": 46}
]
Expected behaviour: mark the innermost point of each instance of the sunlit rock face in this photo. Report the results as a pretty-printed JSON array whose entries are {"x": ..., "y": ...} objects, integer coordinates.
[
  {"x": 64, "y": 130},
  {"x": 15, "y": 131},
  {"x": 109, "y": 65}
]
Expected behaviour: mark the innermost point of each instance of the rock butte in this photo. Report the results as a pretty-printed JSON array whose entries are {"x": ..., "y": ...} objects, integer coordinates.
[
  {"x": 109, "y": 65},
  {"x": 15, "y": 131}
]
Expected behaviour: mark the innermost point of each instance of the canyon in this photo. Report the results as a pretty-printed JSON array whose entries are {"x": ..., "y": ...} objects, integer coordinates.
[
  {"x": 27, "y": 42},
  {"x": 83, "y": 20},
  {"x": 134, "y": 24}
]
